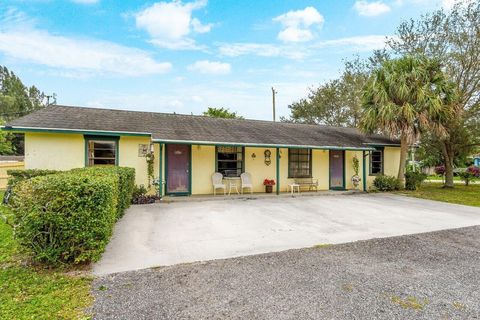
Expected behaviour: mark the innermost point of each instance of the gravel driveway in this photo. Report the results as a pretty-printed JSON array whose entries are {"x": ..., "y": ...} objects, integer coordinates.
[{"x": 425, "y": 276}]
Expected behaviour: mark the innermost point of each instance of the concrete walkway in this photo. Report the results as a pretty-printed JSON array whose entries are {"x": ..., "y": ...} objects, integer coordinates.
[{"x": 170, "y": 233}]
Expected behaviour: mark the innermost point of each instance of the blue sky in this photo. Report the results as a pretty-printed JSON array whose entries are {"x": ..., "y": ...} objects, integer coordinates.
[{"x": 183, "y": 56}]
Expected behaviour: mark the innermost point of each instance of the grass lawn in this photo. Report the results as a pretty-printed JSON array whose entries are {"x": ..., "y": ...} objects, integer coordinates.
[
  {"x": 440, "y": 178},
  {"x": 461, "y": 194},
  {"x": 28, "y": 292}
]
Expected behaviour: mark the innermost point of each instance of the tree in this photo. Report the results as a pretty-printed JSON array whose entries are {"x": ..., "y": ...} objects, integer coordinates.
[
  {"x": 452, "y": 37},
  {"x": 221, "y": 113},
  {"x": 337, "y": 102},
  {"x": 6, "y": 147},
  {"x": 17, "y": 100},
  {"x": 405, "y": 97}
]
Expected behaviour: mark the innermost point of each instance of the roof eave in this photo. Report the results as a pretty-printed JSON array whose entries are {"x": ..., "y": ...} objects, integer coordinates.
[
  {"x": 74, "y": 131},
  {"x": 260, "y": 145}
]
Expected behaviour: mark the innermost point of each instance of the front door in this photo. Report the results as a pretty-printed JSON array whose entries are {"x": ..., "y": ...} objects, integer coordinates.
[
  {"x": 337, "y": 180},
  {"x": 178, "y": 169}
]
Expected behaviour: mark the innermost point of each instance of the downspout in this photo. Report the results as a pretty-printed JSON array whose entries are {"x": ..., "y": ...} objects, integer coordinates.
[
  {"x": 160, "y": 169},
  {"x": 364, "y": 172},
  {"x": 278, "y": 170}
]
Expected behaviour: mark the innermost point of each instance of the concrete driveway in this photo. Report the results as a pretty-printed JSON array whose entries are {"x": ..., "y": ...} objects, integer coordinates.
[{"x": 171, "y": 233}]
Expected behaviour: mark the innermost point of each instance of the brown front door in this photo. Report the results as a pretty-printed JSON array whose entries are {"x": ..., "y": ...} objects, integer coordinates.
[
  {"x": 337, "y": 170},
  {"x": 178, "y": 169}
]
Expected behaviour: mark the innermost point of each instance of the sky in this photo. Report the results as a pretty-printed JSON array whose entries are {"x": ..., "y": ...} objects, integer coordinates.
[{"x": 186, "y": 56}]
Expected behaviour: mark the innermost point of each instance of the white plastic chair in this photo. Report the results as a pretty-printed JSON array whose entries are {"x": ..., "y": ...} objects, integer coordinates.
[
  {"x": 217, "y": 181},
  {"x": 246, "y": 181}
]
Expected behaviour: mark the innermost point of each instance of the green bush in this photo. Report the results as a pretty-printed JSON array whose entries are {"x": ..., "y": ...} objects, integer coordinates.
[
  {"x": 126, "y": 183},
  {"x": 65, "y": 217},
  {"x": 413, "y": 180},
  {"x": 386, "y": 183},
  {"x": 16, "y": 176},
  {"x": 69, "y": 216}
]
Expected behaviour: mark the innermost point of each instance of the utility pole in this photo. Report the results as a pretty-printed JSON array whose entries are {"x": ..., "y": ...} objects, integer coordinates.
[
  {"x": 54, "y": 96},
  {"x": 274, "y": 92}
]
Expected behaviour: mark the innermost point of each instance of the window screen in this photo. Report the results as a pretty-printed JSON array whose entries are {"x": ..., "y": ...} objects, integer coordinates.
[{"x": 299, "y": 163}]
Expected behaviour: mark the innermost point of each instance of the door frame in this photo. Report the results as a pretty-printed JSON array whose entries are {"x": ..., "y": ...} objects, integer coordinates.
[
  {"x": 189, "y": 192},
  {"x": 343, "y": 187}
]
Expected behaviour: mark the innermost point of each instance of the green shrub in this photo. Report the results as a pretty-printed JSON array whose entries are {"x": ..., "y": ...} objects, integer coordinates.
[
  {"x": 386, "y": 183},
  {"x": 126, "y": 183},
  {"x": 16, "y": 176},
  {"x": 413, "y": 180},
  {"x": 139, "y": 191},
  {"x": 65, "y": 217}
]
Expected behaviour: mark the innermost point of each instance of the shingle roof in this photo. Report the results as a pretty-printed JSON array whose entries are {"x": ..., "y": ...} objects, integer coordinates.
[{"x": 201, "y": 129}]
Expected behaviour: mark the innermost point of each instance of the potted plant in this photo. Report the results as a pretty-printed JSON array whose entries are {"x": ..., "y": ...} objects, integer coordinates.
[
  {"x": 268, "y": 183},
  {"x": 355, "y": 178}
]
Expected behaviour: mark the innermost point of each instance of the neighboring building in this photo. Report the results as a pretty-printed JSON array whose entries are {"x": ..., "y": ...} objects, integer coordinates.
[
  {"x": 9, "y": 163},
  {"x": 189, "y": 149},
  {"x": 476, "y": 160}
]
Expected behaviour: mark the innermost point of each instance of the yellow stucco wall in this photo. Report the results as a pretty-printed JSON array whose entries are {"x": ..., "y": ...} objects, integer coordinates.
[
  {"x": 54, "y": 151},
  {"x": 390, "y": 164},
  {"x": 67, "y": 151},
  {"x": 320, "y": 167},
  {"x": 203, "y": 166},
  {"x": 349, "y": 155},
  {"x": 128, "y": 157},
  {"x": 257, "y": 167}
]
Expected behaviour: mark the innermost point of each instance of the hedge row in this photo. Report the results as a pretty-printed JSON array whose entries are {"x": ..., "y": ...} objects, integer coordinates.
[
  {"x": 16, "y": 176},
  {"x": 69, "y": 216}
]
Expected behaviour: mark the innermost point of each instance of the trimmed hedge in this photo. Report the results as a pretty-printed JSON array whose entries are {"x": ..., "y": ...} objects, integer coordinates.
[
  {"x": 69, "y": 216},
  {"x": 386, "y": 183},
  {"x": 16, "y": 176},
  {"x": 126, "y": 183}
]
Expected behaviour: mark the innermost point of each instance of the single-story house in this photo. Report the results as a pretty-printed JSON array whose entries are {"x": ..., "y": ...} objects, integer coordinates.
[{"x": 188, "y": 149}]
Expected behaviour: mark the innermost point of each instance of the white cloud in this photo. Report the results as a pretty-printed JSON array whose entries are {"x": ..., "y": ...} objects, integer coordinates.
[
  {"x": 84, "y": 56},
  {"x": 210, "y": 67},
  {"x": 446, "y": 4},
  {"x": 85, "y": 1},
  {"x": 371, "y": 9},
  {"x": 262, "y": 50},
  {"x": 359, "y": 43},
  {"x": 298, "y": 24},
  {"x": 170, "y": 24}
]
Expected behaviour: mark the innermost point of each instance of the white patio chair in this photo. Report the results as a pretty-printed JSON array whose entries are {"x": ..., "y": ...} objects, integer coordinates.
[
  {"x": 246, "y": 181},
  {"x": 217, "y": 181}
]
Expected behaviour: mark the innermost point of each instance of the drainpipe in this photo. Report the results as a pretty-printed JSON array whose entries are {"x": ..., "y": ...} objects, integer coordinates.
[
  {"x": 278, "y": 170},
  {"x": 160, "y": 169},
  {"x": 364, "y": 172}
]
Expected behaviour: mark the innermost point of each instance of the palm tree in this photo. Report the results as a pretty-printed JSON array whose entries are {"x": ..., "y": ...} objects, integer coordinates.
[{"x": 405, "y": 97}]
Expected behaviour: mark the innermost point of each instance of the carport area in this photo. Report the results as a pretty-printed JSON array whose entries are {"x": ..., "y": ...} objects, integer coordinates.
[{"x": 171, "y": 233}]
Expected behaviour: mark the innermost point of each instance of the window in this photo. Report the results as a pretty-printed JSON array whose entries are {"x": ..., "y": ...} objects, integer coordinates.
[
  {"x": 101, "y": 151},
  {"x": 230, "y": 161},
  {"x": 376, "y": 162},
  {"x": 299, "y": 163}
]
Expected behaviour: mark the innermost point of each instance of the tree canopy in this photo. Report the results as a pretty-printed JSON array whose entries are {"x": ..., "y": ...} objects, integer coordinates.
[
  {"x": 16, "y": 100},
  {"x": 221, "y": 113},
  {"x": 452, "y": 37},
  {"x": 405, "y": 97}
]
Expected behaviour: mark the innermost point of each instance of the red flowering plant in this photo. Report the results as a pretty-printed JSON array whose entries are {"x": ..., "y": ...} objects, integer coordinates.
[
  {"x": 470, "y": 174},
  {"x": 268, "y": 182},
  {"x": 440, "y": 170}
]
